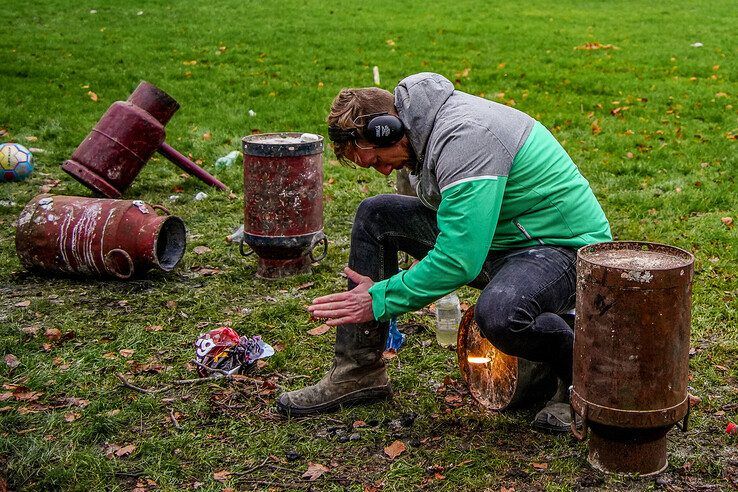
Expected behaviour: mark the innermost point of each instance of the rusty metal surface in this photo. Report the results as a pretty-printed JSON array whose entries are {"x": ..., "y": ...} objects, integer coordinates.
[
  {"x": 502, "y": 382},
  {"x": 283, "y": 201},
  {"x": 111, "y": 156},
  {"x": 631, "y": 349},
  {"x": 97, "y": 237}
]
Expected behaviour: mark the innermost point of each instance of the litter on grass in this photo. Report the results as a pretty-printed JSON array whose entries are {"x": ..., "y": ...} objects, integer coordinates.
[{"x": 223, "y": 351}]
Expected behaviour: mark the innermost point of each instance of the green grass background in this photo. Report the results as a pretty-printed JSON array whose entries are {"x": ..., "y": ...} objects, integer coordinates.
[{"x": 664, "y": 170}]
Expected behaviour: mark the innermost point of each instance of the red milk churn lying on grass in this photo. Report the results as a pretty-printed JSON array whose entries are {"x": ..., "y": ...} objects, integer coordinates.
[
  {"x": 631, "y": 352},
  {"x": 498, "y": 381},
  {"x": 111, "y": 156},
  {"x": 97, "y": 236},
  {"x": 283, "y": 202}
]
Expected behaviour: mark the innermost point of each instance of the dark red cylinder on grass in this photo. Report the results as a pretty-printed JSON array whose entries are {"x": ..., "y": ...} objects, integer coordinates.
[
  {"x": 631, "y": 351},
  {"x": 283, "y": 201},
  {"x": 97, "y": 237},
  {"x": 111, "y": 156}
]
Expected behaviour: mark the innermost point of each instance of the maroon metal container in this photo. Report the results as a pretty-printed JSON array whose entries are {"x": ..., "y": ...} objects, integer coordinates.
[
  {"x": 631, "y": 351},
  {"x": 111, "y": 156},
  {"x": 283, "y": 201},
  {"x": 97, "y": 237}
]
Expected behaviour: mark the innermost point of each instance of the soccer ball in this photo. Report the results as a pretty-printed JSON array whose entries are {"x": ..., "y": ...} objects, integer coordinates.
[{"x": 16, "y": 162}]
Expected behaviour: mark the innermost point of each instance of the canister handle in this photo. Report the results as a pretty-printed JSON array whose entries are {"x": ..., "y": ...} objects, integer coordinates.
[
  {"x": 241, "y": 249},
  {"x": 318, "y": 239},
  {"x": 684, "y": 426},
  {"x": 112, "y": 265},
  {"x": 580, "y": 436},
  {"x": 162, "y": 208}
]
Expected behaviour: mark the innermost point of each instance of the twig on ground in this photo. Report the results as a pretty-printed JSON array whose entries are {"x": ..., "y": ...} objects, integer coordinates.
[
  {"x": 253, "y": 468},
  {"x": 127, "y": 384},
  {"x": 174, "y": 419}
]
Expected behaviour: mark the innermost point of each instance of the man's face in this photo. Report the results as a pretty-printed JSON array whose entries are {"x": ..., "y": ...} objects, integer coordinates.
[{"x": 383, "y": 159}]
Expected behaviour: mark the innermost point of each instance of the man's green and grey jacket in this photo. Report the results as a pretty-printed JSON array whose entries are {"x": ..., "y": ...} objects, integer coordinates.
[{"x": 498, "y": 180}]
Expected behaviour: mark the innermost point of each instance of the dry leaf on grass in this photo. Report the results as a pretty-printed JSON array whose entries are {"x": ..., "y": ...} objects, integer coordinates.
[
  {"x": 728, "y": 221},
  {"x": 221, "y": 476},
  {"x": 23, "y": 304},
  {"x": 201, "y": 250},
  {"x": 153, "y": 328},
  {"x": 53, "y": 334},
  {"x": 314, "y": 471},
  {"x": 540, "y": 466},
  {"x": 320, "y": 330},
  {"x": 126, "y": 352},
  {"x": 12, "y": 361},
  {"x": 395, "y": 449}
]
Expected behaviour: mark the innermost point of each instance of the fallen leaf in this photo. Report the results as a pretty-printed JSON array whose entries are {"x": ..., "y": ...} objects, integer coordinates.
[
  {"x": 540, "y": 466},
  {"x": 171, "y": 304},
  {"x": 314, "y": 471},
  {"x": 694, "y": 400},
  {"x": 53, "y": 334},
  {"x": 71, "y": 416},
  {"x": 23, "y": 304},
  {"x": 395, "y": 449},
  {"x": 721, "y": 368},
  {"x": 126, "y": 352},
  {"x": 201, "y": 250},
  {"x": 153, "y": 328},
  {"x": 389, "y": 354},
  {"x": 12, "y": 361},
  {"x": 31, "y": 330},
  {"x": 320, "y": 330},
  {"x": 27, "y": 395},
  {"x": 358, "y": 423},
  {"x": 221, "y": 476},
  {"x": 596, "y": 129},
  {"x": 728, "y": 221},
  {"x": 92, "y": 95},
  {"x": 306, "y": 285},
  {"x": 125, "y": 450},
  {"x": 596, "y": 46},
  {"x": 31, "y": 138},
  {"x": 207, "y": 136}
]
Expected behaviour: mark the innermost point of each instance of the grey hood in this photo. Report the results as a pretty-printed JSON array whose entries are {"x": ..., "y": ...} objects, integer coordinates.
[{"x": 418, "y": 99}]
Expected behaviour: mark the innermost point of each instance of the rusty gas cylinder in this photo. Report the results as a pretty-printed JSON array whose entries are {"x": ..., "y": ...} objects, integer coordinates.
[
  {"x": 498, "y": 381},
  {"x": 97, "y": 237},
  {"x": 111, "y": 156},
  {"x": 631, "y": 352},
  {"x": 283, "y": 202}
]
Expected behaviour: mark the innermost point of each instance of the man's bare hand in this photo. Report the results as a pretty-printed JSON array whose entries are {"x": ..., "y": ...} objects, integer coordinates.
[{"x": 352, "y": 306}]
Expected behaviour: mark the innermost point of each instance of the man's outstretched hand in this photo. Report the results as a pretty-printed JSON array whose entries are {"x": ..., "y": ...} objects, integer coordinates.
[{"x": 352, "y": 306}]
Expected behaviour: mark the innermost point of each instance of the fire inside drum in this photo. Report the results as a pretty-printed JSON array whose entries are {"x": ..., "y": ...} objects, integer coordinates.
[{"x": 498, "y": 381}]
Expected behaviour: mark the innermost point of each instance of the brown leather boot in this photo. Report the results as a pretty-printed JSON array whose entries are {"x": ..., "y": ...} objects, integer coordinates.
[{"x": 358, "y": 374}]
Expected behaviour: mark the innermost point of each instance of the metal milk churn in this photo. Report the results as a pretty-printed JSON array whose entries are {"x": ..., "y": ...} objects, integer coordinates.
[
  {"x": 111, "y": 156},
  {"x": 631, "y": 352},
  {"x": 283, "y": 202},
  {"x": 498, "y": 381},
  {"x": 97, "y": 237}
]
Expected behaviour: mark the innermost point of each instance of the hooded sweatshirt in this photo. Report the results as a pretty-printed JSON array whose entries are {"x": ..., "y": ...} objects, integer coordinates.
[{"x": 497, "y": 179}]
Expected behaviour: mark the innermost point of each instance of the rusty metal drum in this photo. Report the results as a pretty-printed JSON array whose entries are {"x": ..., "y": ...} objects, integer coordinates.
[
  {"x": 283, "y": 202},
  {"x": 631, "y": 351},
  {"x": 112, "y": 155},
  {"x": 97, "y": 237},
  {"x": 498, "y": 381}
]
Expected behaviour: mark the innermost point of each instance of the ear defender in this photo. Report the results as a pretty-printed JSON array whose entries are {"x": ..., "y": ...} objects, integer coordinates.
[
  {"x": 384, "y": 130},
  {"x": 380, "y": 129}
]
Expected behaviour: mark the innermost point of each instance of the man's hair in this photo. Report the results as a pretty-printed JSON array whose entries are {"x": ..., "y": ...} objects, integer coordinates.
[{"x": 352, "y": 103}]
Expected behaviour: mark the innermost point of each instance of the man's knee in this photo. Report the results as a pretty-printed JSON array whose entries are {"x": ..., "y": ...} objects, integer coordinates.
[{"x": 502, "y": 320}]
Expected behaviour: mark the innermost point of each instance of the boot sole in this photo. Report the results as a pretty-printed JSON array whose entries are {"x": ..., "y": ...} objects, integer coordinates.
[{"x": 370, "y": 395}]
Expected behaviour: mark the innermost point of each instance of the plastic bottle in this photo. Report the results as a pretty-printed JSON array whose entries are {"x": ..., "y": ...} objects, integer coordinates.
[{"x": 448, "y": 318}]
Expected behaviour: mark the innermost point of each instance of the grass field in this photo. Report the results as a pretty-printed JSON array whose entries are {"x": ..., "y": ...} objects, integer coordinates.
[{"x": 651, "y": 119}]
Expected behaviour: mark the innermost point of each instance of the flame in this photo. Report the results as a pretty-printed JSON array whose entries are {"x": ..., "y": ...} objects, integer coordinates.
[{"x": 478, "y": 360}]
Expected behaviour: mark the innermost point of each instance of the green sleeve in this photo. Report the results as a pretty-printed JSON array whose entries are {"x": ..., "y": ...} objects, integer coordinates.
[{"x": 467, "y": 217}]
